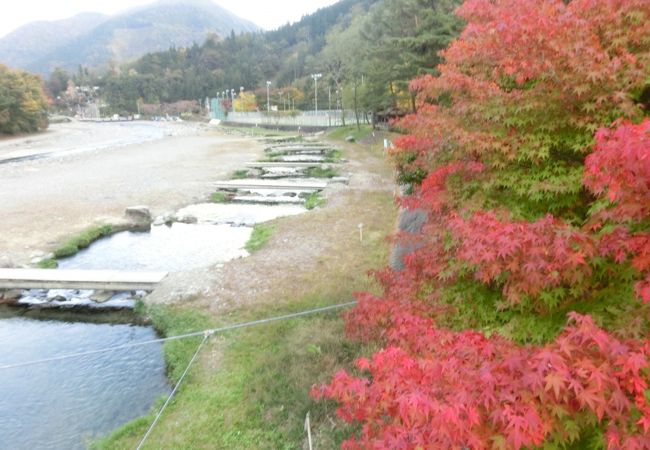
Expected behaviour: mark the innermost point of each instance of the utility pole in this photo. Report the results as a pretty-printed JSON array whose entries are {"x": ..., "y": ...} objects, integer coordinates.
[
  {"x": 268, "y": 96},
  {"x": 316, "y": 76}
]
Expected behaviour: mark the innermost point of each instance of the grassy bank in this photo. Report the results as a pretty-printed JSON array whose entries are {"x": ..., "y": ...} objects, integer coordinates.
[
  {"x": 250, "y": 389},
  {"x": 83, "y": 240},
  {"x": 351, "y": 131},
  {"x": 314, "y": 200},
  {"x": 259, "y": 237}
]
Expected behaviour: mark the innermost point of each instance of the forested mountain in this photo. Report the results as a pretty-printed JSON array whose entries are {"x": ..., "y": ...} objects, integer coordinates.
[
  {"x": 94, "y": 41},
  {"x": 367, "y": 51}
]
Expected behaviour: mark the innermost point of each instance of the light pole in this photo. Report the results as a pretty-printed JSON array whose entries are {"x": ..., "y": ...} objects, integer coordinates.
[
  {"x": 232, "y": 99},
  {"x": 268, "y": 97},
  {"x": 241, "y": 98},
  {"x": 329, "y": 105},
  {"x": 316, "y": 76}
]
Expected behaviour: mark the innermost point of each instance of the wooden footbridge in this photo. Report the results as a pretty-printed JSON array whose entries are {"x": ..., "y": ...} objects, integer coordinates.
[
  {"x": 255, "y": 184},
  {"x": 109, "y": 280}
]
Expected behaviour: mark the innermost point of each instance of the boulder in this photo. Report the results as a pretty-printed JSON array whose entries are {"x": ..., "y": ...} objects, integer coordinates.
[
  {"x": 410, "y": 221},
  {"x": 188, "y": 218},
  {"x": 350, "y": 139},
  {"x": 59, "y": 295},
  {"x": 138, "y": 213},
  {"x": 102, "y": 296}
]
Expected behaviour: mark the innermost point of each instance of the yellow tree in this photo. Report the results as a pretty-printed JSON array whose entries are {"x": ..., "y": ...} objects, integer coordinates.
[{"x": 246, "y": 102}]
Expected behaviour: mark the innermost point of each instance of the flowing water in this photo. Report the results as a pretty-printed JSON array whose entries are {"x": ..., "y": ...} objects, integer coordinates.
[
  {"x": 66, "y": 404},
  {"x": 166, "y": 248}
]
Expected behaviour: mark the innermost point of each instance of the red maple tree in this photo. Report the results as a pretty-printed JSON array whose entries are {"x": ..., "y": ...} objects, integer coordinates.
[{"x": 534, "y": 159}]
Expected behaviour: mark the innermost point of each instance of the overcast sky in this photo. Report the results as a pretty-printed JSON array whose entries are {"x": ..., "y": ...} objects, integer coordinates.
[{"x": 268, "y": 14}]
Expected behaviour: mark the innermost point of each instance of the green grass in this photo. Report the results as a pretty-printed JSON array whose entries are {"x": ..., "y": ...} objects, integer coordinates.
[
  {"x": 314, "y": 201},
  {"x": 49, "y": 263},
  {"x": 82, "y": 240},
  {"x": 240, "y": 174},
  {"x": 259, "y": 238},
  {"x": 320, "y": 172},
  {"x": 351, "y": 130},
  {"x": 334, "y": 156},
  {"x": 219, "y": 197}
]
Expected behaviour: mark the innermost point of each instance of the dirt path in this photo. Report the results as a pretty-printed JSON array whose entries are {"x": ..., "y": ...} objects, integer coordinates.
[{"x": 46, "y": 200}]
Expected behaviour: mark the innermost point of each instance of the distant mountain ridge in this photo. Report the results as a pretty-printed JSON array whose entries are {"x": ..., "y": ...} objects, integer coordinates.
[
  {"x": 93, "y": 39},
  {"x": 35, "y": 39}
]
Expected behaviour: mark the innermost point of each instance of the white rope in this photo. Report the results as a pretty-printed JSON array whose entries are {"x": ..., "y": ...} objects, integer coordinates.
[
  {"x": 182, "y": 336},
  {"x": 171, "y": 395}
]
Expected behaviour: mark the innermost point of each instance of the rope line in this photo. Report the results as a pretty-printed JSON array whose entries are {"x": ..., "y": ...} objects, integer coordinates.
[
  {"x": 182, "y": 336},
  {"x": 171, "y": 395}
]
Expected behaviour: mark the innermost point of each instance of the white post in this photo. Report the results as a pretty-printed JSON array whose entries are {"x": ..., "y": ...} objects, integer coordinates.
[
  {"x": 268, "y": 97},
  {"x": 308, "y": 430}
]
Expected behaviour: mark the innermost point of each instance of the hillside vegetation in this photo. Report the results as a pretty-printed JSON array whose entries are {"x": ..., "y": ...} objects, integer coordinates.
[{"x": 366, "y": 50}]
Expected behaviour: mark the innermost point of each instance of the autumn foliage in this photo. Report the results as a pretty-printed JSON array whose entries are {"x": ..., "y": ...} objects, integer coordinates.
[{"x": 521, "y": 318}]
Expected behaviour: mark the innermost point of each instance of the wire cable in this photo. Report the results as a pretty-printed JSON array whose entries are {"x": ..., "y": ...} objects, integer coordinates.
[{"x": 182, "y": 336}]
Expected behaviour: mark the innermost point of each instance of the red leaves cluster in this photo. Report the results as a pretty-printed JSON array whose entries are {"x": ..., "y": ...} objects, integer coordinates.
[
  {"x": 529, "y": 257},
  {"x": 572, "y": 65},
  {"x": 619, "y": 169},
  {"x": 414, "y": 144},
  {"x": 620, "y": 245},
  {"x": 434, "y": 389},
  {"x": 432, "y": 194},
  {"x": 579, "y": 43}
]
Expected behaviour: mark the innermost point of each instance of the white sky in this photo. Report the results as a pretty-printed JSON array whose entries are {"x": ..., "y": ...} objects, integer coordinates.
[{"x": 268, "y": 14}]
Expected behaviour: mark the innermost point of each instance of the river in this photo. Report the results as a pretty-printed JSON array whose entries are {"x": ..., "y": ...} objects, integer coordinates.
[{"x": 66, "y": 404}]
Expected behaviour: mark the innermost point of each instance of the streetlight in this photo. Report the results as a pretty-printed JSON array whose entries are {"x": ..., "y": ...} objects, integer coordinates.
[
  {"x": 268, "y": 97},
  {"x": 232, "y": 99},
  {"x": 316, "y": 76}
]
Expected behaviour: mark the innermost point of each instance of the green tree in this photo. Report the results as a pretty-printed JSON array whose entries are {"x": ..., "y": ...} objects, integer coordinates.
[
  {"x": 402, "y": 40},
  {"x": 57, "y": 82}
]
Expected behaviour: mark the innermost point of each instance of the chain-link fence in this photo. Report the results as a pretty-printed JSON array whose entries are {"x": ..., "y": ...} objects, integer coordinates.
[{"x": 332, "y": 118}]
